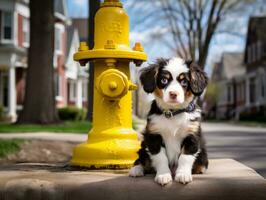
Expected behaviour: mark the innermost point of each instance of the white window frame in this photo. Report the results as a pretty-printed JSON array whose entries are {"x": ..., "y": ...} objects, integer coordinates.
[
  {"x": 4, "y": 40},
  {"x": 72, "y": 91},
  {"x": 84, "y": 90},
  {"x": 26, "y": 32},
  {"x": 58, "y": 96},
  {"x": 61, "y": 29}
]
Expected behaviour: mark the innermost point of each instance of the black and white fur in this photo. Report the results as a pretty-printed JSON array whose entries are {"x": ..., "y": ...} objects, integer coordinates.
[{"x": 172, "y": 147}]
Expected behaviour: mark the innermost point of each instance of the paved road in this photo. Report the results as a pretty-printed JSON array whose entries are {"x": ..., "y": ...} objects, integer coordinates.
[{"x": 244, "y": 144}]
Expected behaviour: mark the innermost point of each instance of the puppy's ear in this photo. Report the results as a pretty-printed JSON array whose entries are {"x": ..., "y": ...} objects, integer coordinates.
[
  {"x": 148, "y": 78},
  {"x": 198, "y": 79}
]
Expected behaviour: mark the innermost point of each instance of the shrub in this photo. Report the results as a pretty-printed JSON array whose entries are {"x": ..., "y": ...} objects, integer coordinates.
[
  {"x": 72, "y": 113},
  {"x": 257, "y": 114}
]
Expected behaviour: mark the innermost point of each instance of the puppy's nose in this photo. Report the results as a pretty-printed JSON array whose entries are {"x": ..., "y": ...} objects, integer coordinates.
[{"x": 173, "y": 94}]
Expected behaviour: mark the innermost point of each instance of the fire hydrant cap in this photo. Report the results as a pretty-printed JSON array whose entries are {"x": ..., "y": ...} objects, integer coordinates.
[
  {"x": 112, "y": 3},
  {"x": 113, "y": 84}
]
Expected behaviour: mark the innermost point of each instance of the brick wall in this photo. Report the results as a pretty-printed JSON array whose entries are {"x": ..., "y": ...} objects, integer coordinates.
[{"x": 20, "y": 30}]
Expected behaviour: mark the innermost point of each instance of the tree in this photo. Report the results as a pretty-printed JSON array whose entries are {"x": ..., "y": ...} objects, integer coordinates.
[
  {"x": 39, "y": 105},
  {"x": 94, "y": 5},
  {"x": 190, "y": 23}
]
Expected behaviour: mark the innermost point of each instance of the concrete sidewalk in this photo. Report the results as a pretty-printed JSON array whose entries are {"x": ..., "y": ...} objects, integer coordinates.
[
  {"x": 68, "y": 137},
  {"x": 225, "y": 127},
  {"x": 77, "y": 137},
  {"x": 225, "y": 179}
]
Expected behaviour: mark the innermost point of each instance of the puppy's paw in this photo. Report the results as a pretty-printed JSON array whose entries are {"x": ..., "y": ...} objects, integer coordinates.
[
  {"x": 183, "y": 177},
  {"x": 136, "y": 171},
  {"x": 163, "y": 179}
]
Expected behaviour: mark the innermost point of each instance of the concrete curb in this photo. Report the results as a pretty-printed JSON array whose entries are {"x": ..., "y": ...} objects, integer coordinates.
[{"x": 225, "y": 179}]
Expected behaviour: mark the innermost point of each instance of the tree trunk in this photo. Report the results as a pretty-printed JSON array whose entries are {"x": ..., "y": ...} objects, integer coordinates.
[
  {"x": 39, "y": 104},
  {"x": 93, "y": 7}
]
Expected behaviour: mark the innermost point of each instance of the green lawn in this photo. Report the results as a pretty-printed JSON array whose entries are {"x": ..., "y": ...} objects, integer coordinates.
[
  {"x": 65, "y": 127},
  {"x": 9, "y": 146}
]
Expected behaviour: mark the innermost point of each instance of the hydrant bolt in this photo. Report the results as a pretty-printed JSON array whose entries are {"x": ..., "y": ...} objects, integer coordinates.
[
  {"x": 83, "y": 46},
  {"x": 138, "y": 47}
]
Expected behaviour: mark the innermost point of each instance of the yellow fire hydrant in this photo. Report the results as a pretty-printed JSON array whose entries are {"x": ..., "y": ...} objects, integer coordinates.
[{"x": 112, "y": 143}]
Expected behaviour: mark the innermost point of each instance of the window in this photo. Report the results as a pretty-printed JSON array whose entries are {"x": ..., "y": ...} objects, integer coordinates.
[
  {"x": 259, "y": 48},
  {"x": 6, "y": 28},
  {"x": 244, "y": 91},
  {"x": 84, "y": 90},
  {"x": 254, "y": 52},
  {"x": 262, "y": 86},
  {"x": 249, "y": 54},
  {"x": 72, "y": 91},
  {"x": 229, "y": 93},
  {"x": 58, "y": 39},
  {"x": 26, "y": 32},
  {"x": 239, "y": 92},
  {"x": 252, "y": 90},
  {"x": 57, "y": 85}
]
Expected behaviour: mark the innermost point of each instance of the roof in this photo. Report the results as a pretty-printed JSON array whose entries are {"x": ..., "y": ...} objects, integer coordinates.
[
  {"x": 70, "y": 35},
  {"x": 60, "y": 9},
  {"x": 230, "y": 66},
  {"x": 256, "y": 31},
  {"x": 82, "y": 25}
]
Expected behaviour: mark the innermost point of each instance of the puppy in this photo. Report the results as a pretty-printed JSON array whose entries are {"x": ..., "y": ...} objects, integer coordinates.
[{"x": 173, "y": 145}]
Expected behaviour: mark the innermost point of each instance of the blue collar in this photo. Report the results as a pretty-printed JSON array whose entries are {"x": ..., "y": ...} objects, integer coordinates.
[{"x": 170, "y": 113}]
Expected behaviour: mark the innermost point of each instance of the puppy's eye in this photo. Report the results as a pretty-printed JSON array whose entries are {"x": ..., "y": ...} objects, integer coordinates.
[
  {"x": 184, "y": 82},
  {"x": 164, "y": 81}
]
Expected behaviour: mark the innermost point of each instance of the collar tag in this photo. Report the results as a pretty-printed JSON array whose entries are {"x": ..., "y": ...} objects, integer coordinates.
[{"x": 168, "y": 114}]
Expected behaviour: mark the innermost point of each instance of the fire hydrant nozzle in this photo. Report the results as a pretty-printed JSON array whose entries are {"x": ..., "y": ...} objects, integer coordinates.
[
  {"x": 112, "y": 85},
  {"x": 112, "y": 142}
]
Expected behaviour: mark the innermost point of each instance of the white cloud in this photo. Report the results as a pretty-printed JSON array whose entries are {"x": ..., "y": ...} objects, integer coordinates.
[{"x": 148, "y": 35}]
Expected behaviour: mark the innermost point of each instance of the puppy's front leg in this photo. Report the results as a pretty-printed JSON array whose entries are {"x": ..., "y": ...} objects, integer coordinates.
[
  {"x": 160, "y": 164},
  {"x": 190, "y": 149}
]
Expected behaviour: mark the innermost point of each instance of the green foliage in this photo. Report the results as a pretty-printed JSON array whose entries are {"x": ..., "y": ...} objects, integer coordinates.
[
  {"x": 212, "y": 91},
  {"x": 65, "y": 127},
  {"x": 72, "y": 113},
  {"x": 252, "y": 118},
  {"x": 9, "y": 146}
]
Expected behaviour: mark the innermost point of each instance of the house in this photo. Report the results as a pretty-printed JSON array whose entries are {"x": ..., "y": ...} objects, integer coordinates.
[
  {"x": 255, "y": 61},
  {"x": 14, "y": 43},
  {"x": 82, "y": 25},
  {"x": 241, "y": 78},
  {"x": 228, "y": 75},
  {"x": 77, "y": 76}
]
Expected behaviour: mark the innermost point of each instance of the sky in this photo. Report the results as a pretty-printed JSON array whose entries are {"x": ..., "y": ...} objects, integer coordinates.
[
  {"x": 77, "y": 8},
  {"x": 220, "y": 43}
]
